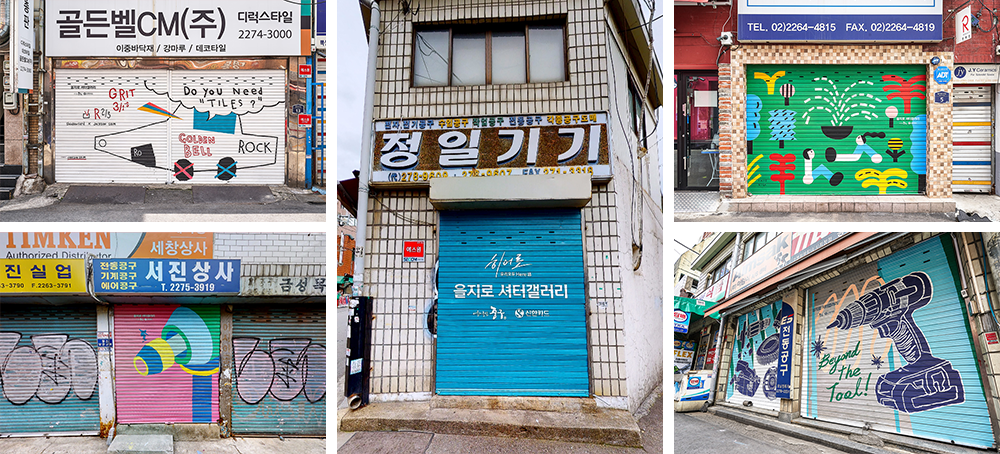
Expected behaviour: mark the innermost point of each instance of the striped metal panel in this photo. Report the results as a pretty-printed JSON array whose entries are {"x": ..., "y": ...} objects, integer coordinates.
[
  {"x": 921, "y": 378},
  {"x": 511, "y": 310},
  {"x": 48, "y": 369},
  {"x": 166, "y": 363},
  {"x": 754, "y": 366},
  {"x": 972, "y": 138},
  {"x": 279, "y": 384},
  {"x": 161, "y": 126},
  {"x": 836, "y": 129}
]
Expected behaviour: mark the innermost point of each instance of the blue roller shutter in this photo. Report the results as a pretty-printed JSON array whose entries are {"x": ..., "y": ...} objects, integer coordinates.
[
  {"x": 48, "y": 370},
  {"x": 512, "y": 304},
  {"x": 279, "y": 384}
]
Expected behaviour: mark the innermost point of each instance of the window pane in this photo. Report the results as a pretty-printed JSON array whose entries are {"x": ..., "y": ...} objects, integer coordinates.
[
  {"x": 508, "y": 58},
  {"x": 469, "y": 59},
  {"x": 545, "y": 57},
  {"x": 430, "y": 61}
]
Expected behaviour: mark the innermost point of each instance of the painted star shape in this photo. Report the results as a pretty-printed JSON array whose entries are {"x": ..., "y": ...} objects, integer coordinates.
[
  {"x": 877, "y": 362},
  {"x": 817, "y": 348}
]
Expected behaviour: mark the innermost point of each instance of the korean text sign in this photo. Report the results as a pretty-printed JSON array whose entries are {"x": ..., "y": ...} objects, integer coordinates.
[
  {"x": 414, "y": 151},
  {"x": 179, "y": 276},
  {"x": 840, "y": 20},
  {"x": 175, "y": 28},
  {"x": 21, "y": 276}
]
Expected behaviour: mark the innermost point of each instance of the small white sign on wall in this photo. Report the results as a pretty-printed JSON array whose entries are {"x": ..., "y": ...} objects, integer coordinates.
[{"x": 963, "y": 25}]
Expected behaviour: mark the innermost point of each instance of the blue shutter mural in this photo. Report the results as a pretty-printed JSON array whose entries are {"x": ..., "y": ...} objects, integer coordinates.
[
  {"x": 48, "y": 369},
  {"x": 889, "y": 345},
  {"x": 511, "y": 310},
  {"x": 756, "y": 353}
]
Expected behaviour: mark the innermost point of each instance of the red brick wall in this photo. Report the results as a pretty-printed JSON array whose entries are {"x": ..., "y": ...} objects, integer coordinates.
[
  {"x": 695, "y": 30},
  {"x": 345, "y": 246},
  {"x": 982, "y": 47}
]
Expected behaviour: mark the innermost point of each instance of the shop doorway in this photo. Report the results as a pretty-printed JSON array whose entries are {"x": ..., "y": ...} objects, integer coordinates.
[{"x": 697, "y": 133}]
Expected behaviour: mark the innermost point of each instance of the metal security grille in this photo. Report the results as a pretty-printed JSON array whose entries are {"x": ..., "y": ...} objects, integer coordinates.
[
  {"x": 831, "y": 129},
  {"x": 48, "y": 369},
  {"x": 279, "y": 384},
  {"x": 511, "y": 310},
  {"x": 888, "y": 345},
  {"x": 972, "y": 138},
  {"x": 167, "y": 363},
  {"x": 164, "y": 126},
  {"x": 754, "y": 365}
]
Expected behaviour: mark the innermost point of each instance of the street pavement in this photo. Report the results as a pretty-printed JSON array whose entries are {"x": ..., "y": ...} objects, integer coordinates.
[
  {"x": 651, "y": 425},
  {"x": 97, "y": 445},
  {"x": 62, "y": 202},
  {"x": 700, "y": 433}
]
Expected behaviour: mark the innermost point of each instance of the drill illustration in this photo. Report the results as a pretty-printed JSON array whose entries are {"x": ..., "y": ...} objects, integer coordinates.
[{"x": 925, "y": 382}]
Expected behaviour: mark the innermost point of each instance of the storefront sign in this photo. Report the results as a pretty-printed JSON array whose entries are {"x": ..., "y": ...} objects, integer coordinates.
[
  {"x": 166, "y": 276},
  {"x": 22, "y": 44},
  {"x": 176, "y": 28},
  {"x": 977, "y": 74},
  {"x": 34, "y": 276},
  {"x": 62, "y": 245},
  {"x": 413, "y": 251},
  {"x": 785, "y": 250},
  {"x": 786, "y": 326},
  {"x": 681, "y": 321},
  {"x": 408, "y": 151},
  {"x": 716, "y": 291},
  {"x": 839, "y": 20},
  {"x": 290, "y": 286}
]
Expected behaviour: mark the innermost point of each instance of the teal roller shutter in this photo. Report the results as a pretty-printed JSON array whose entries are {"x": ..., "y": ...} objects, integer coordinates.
[
  {"x": 917, "y": 378},
  {"x": 279, "y": 381},
  {"x": 836, "y": 129},
  {"x": 48, "y": 369},
  {"x": 511, "y": 311}
]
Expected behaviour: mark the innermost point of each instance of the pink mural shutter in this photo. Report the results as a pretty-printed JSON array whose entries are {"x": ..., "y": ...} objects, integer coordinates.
[{"x": 166, "y": 363}]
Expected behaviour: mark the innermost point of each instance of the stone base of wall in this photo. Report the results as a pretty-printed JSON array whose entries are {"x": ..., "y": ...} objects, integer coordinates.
[{"x": 841, "y": 204}]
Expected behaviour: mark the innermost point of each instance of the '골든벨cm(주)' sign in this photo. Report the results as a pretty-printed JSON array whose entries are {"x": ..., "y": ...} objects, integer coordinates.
[
  {"x": 840, "y": 20},
  {"x": 178, "y": 276},
  {"x": 414, "y": 151}
]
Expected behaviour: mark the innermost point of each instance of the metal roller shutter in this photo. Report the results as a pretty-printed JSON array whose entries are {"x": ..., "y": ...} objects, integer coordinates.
[
  {"x": 161, "y": 126},
  {"x": 167, "y": 363},
  {"x": 972, "y": 138},
  {"x": 836, "y": 129},
  {"x": 48, "y": 370},
  {"x": 511, "y": 314},
  {"x": 754, "y": 366},
  {"x": 279, "y": 385},
  {"x": 921, "y": 378}
]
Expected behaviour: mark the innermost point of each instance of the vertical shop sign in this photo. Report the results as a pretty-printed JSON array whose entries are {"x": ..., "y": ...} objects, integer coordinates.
[
  {"x": 786, "y": 327},
  {"x": 23, "y": 45}
]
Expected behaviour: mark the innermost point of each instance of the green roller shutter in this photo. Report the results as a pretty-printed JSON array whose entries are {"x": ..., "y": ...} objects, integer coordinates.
[{"x": 832, "y": 129}]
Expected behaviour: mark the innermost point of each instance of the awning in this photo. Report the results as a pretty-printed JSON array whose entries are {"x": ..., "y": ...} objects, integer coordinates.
[
  {"x": 341, "y": 280},
  {"x": 695, "y": 306}
]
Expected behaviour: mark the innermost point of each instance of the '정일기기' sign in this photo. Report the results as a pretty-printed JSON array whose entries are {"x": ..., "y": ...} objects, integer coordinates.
[
  {"x": 154, "y": 276},
  {"x": 35, "y": 276},
  {"x": 414, "y": 151}
]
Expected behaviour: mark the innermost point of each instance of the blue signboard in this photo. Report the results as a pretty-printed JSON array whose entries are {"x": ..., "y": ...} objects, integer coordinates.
[
  {"x": 942, "y": 74},
  {"x": 786, "y": 327},
  {"x": 840, "y": 20},
  {"x": 166, "y": 276},
  {"x": 681, "y": 321}
]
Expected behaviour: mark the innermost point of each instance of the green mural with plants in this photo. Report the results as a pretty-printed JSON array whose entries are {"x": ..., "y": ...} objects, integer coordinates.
[{"x": 836, "y": 129}]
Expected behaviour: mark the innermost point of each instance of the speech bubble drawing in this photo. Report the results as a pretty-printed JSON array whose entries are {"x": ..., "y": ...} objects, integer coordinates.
[{"x": 224, "y": 95}]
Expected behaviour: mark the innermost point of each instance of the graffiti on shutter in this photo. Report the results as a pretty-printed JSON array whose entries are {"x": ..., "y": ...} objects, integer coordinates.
[
  {"x": 826, "y": 129},
  {"x": 285, "y": 368},
  {"x": 756, "y": 350},
  {"x": 49, "y": 368}
]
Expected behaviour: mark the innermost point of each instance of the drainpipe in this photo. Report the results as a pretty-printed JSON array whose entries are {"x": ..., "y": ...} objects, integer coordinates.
[
  {"x": 366, "y": 144},
  {"x": 718, "y": 359}
]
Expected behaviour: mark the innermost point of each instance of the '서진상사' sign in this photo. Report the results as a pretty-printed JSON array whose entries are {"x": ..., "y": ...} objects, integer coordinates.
[
  {"x": 166, "y": 276},
  {"x": 176, "y": 28},
  {"x": 34, "y": 276},
  {"x": 414, "y": 151}
]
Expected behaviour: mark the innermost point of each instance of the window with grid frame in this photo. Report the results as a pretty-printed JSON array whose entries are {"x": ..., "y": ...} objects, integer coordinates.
[{"x": 489, "y": 55}]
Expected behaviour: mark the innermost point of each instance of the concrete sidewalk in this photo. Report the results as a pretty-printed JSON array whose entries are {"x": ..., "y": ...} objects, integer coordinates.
[
  {"x": 97, "y": 445},
  {"x": 844, "y": 438}
]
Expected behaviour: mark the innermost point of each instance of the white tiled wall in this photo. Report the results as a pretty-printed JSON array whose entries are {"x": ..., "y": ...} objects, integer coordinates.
[{"x": 274, "y": 254}]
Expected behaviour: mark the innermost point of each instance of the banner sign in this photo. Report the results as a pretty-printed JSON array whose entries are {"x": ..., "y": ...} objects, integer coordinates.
[
  {"x": 180, "y": 276},
  {"x": 105, "y": 245},
  {"x": 785, "y": 328},
  {"x": 785, "y": 250},
  {"x": 177, "y": 28},
  {"x": 22, "y": 43},
  {"x": 414, "y": 151},
  {"x": 31, "y": 276},
  {"x": 840, "y": 21}
]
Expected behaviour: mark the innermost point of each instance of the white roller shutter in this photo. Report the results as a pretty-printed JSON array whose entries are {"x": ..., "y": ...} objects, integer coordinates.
[
  {"x": 161, "y": 126},
  {"x": 972, "y": 138}
]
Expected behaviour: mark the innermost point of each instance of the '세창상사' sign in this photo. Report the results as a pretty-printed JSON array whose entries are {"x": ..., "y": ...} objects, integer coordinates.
[
  {"x": 410, "y": 151},
  {"x": 176, "y": 28},
  {"x": 34, "y": 276},
  {"x": 177, "y": 276}
]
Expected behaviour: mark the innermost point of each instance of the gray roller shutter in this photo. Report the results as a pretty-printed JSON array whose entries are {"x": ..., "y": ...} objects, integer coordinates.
[{"x": 972, "y": 138}]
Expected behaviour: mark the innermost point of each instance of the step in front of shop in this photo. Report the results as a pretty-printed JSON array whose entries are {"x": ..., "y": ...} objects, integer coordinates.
[
  {"x": 8, "y": 180},
  {"x": 842, "y": 204}
]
